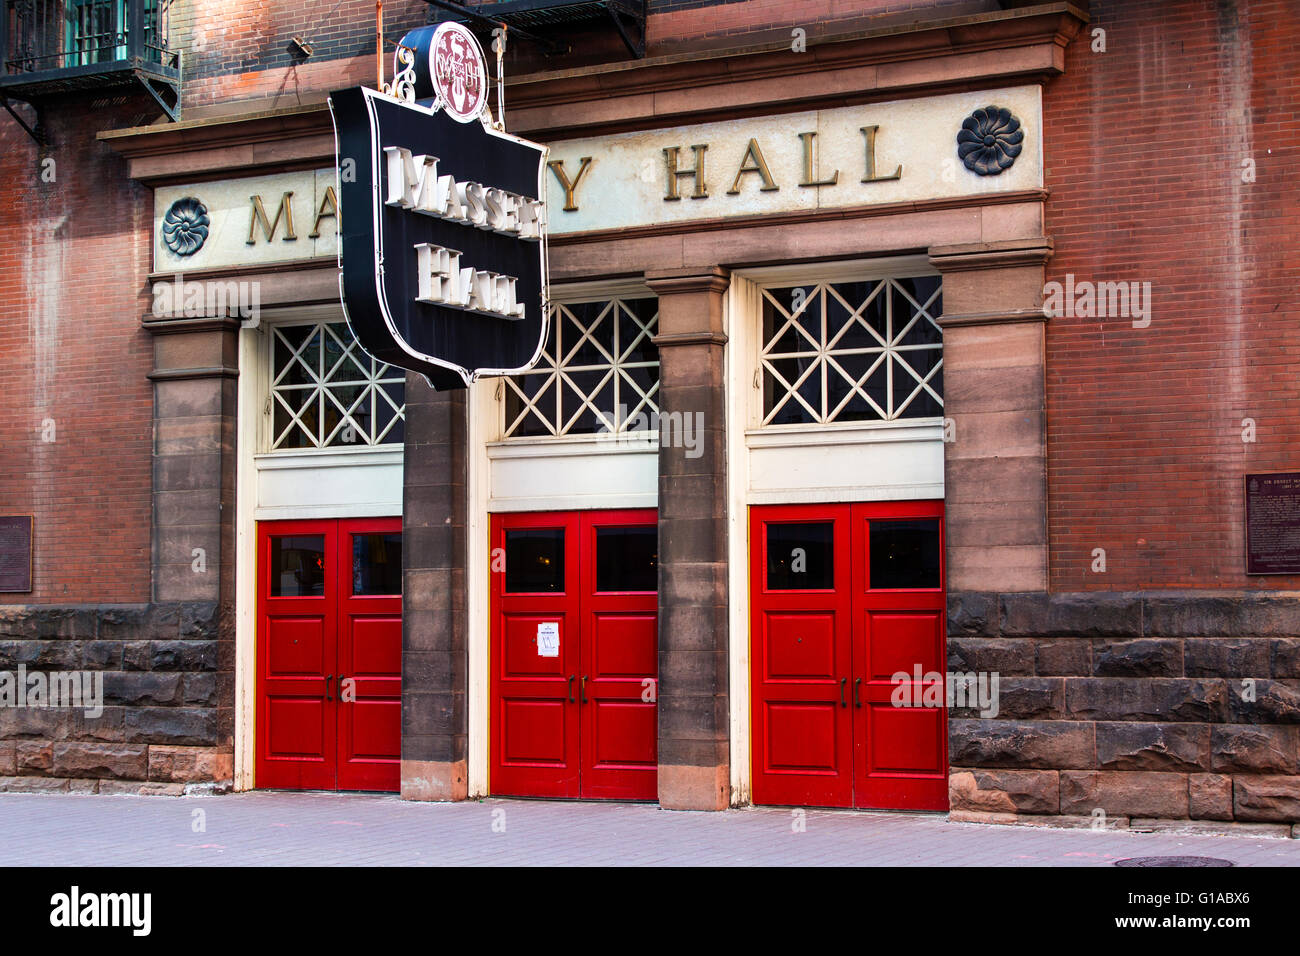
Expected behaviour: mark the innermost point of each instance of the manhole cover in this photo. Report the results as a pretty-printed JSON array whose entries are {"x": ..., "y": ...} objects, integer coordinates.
[{"x": 1174, "y": 861}]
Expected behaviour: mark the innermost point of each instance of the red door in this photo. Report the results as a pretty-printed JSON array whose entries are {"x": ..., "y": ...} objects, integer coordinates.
[
  {"x": 329, "y": 647},
  {"x": 802, "y": 656},
  {"x": 847, "y": 598},
  {"x": 619, "y": 654},
  {"x": 575, "y": 654},
  {"x": 534, "y": 719}
]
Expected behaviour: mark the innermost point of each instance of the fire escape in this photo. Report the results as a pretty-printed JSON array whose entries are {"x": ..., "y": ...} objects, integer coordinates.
[{"x": 50, "y": 48}]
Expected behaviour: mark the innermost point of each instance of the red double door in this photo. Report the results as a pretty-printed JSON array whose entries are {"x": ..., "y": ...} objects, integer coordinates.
[
  {"x": 329, "y": 654},
  {"x": 575, "y": 654},
  {"x": 847, "y": 597}
]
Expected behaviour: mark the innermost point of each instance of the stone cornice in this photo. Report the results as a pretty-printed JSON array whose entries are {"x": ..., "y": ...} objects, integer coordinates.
[
  {"x": 690, "y": 338},
  {"x": 991, "y": 255},
  {"x": 996, "y": 48},
  {"x": 874, "y": 210},
  {"x": 1008, "y": 317},
  {"x": 677, "y": 281},
  {"x": 184, "y": 374},
  {"x": 211, "y": 323}
]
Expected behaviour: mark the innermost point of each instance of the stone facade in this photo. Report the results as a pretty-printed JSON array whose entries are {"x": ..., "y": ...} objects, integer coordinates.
[
  {"x": 167, "y": 679},
  {"x": 1164, "y": 688},
  {"x": 1129, "y": 706}
]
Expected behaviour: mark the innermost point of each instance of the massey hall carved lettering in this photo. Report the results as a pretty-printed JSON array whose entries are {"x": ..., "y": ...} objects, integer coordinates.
[
  {"x": 259, "y": 223},
  {"x": 686, "y": 170}
]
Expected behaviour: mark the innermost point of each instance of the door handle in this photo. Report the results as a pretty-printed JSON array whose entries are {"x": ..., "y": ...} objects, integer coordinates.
[
  {"x": 582, "y": 688},
  {"x": 844, "y": 681},
  {"x": 857, "y": 692},
  {"x": 328, "y": 678},
  {"x": 570, "y": 688}
]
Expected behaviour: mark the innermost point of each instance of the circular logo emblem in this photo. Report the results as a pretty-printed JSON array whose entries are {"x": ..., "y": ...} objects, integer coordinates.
[{"x": 459, "y": 71}]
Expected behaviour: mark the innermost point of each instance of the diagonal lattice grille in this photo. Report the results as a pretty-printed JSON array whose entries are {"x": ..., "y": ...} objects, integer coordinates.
[
  {"x": 852, "y": 351},
  {"x": 326, "y": 391},
  {"x": 598, "y": 370}
]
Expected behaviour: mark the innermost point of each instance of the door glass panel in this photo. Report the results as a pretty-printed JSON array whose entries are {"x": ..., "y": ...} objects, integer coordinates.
[
  {"x": 534, "y": 560},
  {"x": 801, "y": 557},
  {"x": 298, "y": 565},
  {"x": 904, "y": 554},
  {"x": 377, "y": 563},
  {"x": 627, "y": 559}
]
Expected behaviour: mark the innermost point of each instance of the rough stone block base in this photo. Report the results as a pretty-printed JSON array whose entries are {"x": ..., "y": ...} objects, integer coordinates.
[
  {"x": 1267, "y": 798},
  {"x": 1209, "y": 796},
  {"x": 434, "y": 780},
  {"x": 91, "y": 785},
  {"x": 136, "y": 788},
  {"x": 33, "y": 785},
  {"x": 191, "y": 765},
  {"x": 1005, "y": 791},
  {"x": 1124, "y": 793},
  {"x": 694, "y": 788},
  {"x": 1211, "y": 828},
  {"x": 1068, "y": 821}
]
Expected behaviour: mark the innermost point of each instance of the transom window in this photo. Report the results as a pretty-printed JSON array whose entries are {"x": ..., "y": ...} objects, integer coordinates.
[
  {"x": 599, "y": 372},
  {"x": 852, "y": 351},
  {"x": 326, "y": 391}
]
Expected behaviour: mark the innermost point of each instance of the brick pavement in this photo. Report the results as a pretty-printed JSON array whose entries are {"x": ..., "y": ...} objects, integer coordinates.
[{"x": 269, "y": 828}]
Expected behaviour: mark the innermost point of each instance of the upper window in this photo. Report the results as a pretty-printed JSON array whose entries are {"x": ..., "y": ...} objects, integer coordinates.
[
  {"x": 97, "y": 31},
  {"x": 852, "y": 351},
  {"x": 599, "y": 372},
  {"x": 327, "y": 392}
]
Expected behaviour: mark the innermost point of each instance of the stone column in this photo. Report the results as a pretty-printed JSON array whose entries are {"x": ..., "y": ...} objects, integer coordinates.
[
  {"x": 995, "y": 450},
  {"x": 196, "y": 367},
  {"x": 995, "y": 504},
  {"x": 435, "y": 665},
  {"x": 694, "y": 728}
]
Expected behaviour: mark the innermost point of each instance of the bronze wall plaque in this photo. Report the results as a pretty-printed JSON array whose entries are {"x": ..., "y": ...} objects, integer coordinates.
[
  {"x": 1273, "y": 523},
  {"x": 15, "y": 552}
]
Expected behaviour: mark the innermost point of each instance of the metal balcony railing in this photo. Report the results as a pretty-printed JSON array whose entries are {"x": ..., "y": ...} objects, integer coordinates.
[{"x": 58, "y": 46}]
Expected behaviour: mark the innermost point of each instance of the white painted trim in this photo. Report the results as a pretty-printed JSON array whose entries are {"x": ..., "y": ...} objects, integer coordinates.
[
  {"x": 485, "y": 445},
  {"x": 740, "y": 308},
  {"x": 926, "y": 491},
  {"x": 574, "y": 446},
  {"x": 854, "y": 270},
  {"x": 587, "y": 459},
  {"x": 248, "y": 416},
  {"x": 301, "y": 314},
  {"x": 743, "y": 318},
  {"x": 847, "y": 433},
  {"x": 328, "y": 457},
  {"x": 571, "y": 293},
  {"x": 589, "y": 503},
  {"x": 484, "y": 425},
  {"x": 251, "y": 437}
]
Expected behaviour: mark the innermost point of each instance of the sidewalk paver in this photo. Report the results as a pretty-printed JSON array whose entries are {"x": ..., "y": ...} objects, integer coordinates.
[{"x": 299, "y": 829}]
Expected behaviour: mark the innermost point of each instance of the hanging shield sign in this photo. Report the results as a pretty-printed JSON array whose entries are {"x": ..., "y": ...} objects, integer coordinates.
[{"x": 442, "y": 239}]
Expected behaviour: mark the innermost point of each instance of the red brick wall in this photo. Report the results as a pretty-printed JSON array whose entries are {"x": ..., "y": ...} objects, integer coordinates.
[
  {"x": 72, "y": 252},
  {"x": 240, "y": 51},
  {"x": 1144, "y": 148},
  {"x": 670, "y": 25}
]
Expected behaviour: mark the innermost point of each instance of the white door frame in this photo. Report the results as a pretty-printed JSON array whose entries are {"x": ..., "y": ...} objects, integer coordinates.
[{"x": 252, "y": 391}]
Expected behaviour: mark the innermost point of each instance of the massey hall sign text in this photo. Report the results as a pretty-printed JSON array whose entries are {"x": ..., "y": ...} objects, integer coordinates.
[{"x": 414, "y": 184}]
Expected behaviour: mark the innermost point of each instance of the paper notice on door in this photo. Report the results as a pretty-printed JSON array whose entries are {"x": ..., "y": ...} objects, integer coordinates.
[{"x": 548, "y": 639}]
